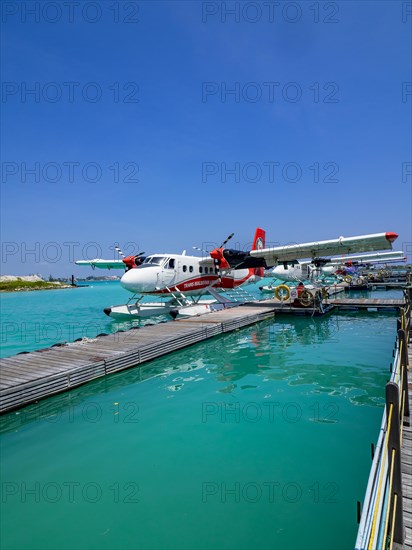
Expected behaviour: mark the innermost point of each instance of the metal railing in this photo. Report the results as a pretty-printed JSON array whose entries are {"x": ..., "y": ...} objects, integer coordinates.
[{"x": 381, "y": 522}]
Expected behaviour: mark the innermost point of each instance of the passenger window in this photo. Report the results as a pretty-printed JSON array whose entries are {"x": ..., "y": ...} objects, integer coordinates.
[
  {"x": 184, "y": 269},
  {"x": 206, "y": 270},
  {"x": 191, "y": 269},
  {"x": 200, "y": 269}
]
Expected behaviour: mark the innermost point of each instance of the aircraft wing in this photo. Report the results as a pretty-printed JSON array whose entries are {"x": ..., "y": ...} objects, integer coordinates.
[
  {"x": 388, "y": 261},
  {"x": 103, "y": 264},
  {"x": 368, "y": 258},
  {"x": 363, "y": 258},
  {"x": 320, "y": 249}
]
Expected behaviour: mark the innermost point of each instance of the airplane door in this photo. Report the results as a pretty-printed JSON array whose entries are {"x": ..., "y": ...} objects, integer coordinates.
[{"x": 169, "y": 273}]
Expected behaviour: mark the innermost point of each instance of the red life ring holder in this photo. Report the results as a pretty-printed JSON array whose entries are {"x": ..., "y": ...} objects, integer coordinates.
[{"x": 306, "y": 298}]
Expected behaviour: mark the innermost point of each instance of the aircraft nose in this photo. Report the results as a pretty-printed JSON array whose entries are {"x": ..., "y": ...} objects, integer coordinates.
[
  {"x": 140, "y": 280},
  {"x": 128, "y": 280}
]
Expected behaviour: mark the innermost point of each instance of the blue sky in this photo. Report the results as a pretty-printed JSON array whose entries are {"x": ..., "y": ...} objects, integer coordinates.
[{"x": 132, "y": 134}]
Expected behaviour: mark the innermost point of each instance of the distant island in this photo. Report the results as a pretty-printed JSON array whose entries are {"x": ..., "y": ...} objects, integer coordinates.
[
  {"x": 12, "y": 283},
  {"x": 100, "y": 278},
  {"x": 15, "y": 283}
]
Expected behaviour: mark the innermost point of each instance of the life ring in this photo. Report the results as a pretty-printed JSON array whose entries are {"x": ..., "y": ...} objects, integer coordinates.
[
  {"x": 347, "y": 279},
  {"x": 282, "y": 293},
  {"x": 305, "y": 298}
]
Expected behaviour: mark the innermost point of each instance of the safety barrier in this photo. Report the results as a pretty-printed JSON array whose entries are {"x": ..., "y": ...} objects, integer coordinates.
[{"x": 381, "y": 522}]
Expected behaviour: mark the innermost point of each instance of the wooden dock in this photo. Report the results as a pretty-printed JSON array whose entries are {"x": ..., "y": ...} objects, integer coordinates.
[
  {"x": 406, "y": 468},
  {"x": 342, "y": 303},
  {"x": 385, "y": 518},
  {"x": 28, "y": 377},
  {"x": 366, "y": 303},
  {"x": 386, "y": 286},
  {"x": 374, "y": 286}
]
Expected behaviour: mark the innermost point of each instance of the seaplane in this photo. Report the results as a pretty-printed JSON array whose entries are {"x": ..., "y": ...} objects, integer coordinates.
[
  {"x": 182, "y": 280},
  {"x": 310, "y": 270}
]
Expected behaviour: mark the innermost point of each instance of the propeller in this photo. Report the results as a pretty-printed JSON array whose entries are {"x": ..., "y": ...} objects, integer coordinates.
[
  {"x": 221, "y": 246},
  {"x": 130, "y": 261},
  {"x": 217, "y": 268},
  {"x": 227, "y": 240},
  {"x": 118, "y": 250},
  {"x": 218, "y": 257},
  {"x": 215, "y": 261}
]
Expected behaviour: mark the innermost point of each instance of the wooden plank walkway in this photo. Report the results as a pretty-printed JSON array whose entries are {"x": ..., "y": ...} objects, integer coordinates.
[
  {"x": 366, "y": 303},
  {"x": 406, "y": 468},
  {"x": 288, "y": 309},
  {"x": 28, "y": 377},
  {"x": 341, "y": 303},
  {"x": 397, "y": 284}
]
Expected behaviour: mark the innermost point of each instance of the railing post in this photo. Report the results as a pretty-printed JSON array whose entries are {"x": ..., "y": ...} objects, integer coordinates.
[
  {"x": 409, "y": 287},
  {"x": 392, "y": 397},
  {"x": 408, "y": 315},
  {"x": 404, "y": 371},
  {"x": 404, "y": 356},
  {"x": 405, "y": 319}
]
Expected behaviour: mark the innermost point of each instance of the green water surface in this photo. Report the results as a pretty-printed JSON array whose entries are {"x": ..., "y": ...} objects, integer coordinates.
[{"x": 257, "y": 439}]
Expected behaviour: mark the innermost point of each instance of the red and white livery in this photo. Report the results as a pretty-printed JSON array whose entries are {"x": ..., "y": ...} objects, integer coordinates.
[{"x": 179, "y": 276}]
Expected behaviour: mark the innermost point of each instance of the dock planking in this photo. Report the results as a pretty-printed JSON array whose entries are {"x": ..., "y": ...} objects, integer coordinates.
[
  {"x": 28, "y": 377},
  {"x": 406, "y": 468},
  {"x": 366, "y": 303}
]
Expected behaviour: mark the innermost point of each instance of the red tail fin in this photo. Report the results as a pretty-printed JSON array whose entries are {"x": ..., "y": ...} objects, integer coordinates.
[
  {"x": 258, "y": 243},
  {"x": 259, "y": 240}
]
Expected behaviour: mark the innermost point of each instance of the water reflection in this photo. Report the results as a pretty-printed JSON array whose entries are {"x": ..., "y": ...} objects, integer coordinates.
[{"x": 338, "y": 354}]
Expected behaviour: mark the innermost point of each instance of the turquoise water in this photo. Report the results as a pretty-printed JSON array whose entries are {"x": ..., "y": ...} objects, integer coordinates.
[
  {"x": 257, "y": 439},
  {"x": 35, "y": 320}
]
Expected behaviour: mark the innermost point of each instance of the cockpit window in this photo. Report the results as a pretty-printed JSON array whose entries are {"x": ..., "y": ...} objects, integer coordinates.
[{"x": 155, "y": 260}]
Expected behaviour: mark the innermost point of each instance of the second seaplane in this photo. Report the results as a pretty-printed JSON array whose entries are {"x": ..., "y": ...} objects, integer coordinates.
[
  {"x": 181, "y": 280},
  {"x": 311, "y": 271}
]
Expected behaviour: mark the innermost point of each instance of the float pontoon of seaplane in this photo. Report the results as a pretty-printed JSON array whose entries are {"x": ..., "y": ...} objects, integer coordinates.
[{"x": 182, "y": 280}]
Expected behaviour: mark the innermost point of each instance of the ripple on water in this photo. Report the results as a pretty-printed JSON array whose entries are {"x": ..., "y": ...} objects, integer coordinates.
[{"x": 284, "y": 404}]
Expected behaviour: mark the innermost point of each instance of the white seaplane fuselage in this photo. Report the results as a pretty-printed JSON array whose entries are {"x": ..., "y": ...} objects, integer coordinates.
[
  {"x": 174, "y": 277},
  {"x": 161, "y": 274},
  {"x": 299, "y": 272},
  {"x": 305, "y": 270}
]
